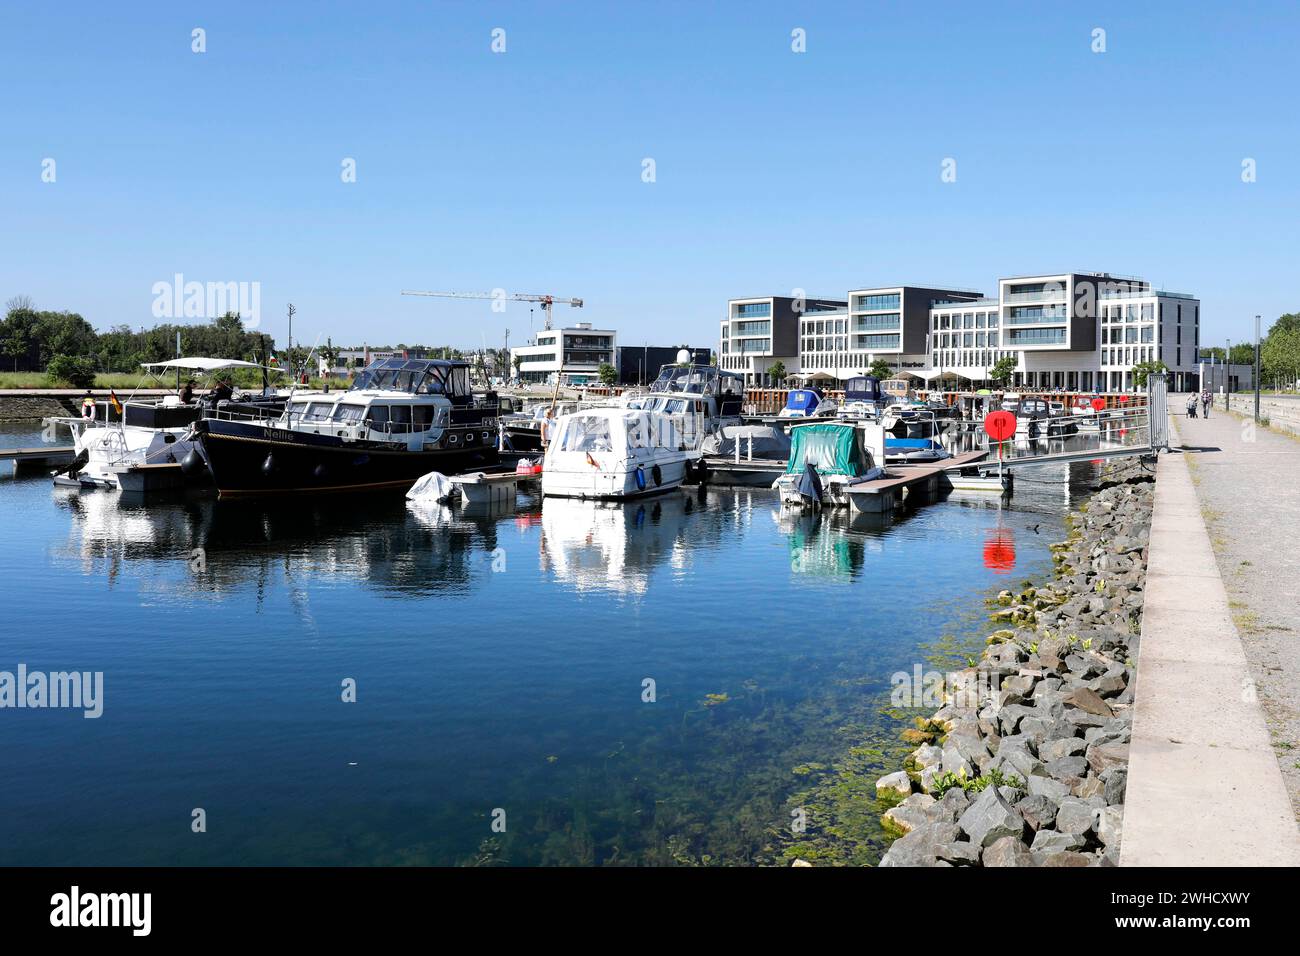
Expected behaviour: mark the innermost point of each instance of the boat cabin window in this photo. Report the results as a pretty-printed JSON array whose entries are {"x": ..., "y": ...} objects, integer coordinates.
[
  {"x": 318, "y": 412},
  {"x": 422, "y": 417},
  {"x": 378, "y": 417},
  {"x": 587, "y": 433},
  {"x": 348, "y": 413},
  {"x": 651, "y": 431},
  {"x": 400, "y": 416}
]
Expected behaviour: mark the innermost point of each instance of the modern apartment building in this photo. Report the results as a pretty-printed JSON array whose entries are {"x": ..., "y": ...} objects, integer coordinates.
[
  {"x": 889, "y": 323},
  {"x": 576, "y": 353},
  {"x": 1074, "y": 331},
  {"x": 759, "y": 332}
]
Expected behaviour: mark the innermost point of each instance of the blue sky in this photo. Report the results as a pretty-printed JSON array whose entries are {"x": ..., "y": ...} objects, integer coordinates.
[{"x": 523, "y": 170}]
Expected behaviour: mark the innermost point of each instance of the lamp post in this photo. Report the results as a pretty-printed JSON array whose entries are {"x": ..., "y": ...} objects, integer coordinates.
[{"x": 1257, "y": 370}]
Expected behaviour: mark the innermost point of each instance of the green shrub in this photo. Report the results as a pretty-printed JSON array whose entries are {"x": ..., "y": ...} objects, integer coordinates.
[{"x": 65, "y": 370}]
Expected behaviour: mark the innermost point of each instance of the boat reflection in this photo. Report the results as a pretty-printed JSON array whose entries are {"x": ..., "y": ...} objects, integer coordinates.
[
  {"x": 616, "y": 546},
  {"x": 227, "y": 544}
]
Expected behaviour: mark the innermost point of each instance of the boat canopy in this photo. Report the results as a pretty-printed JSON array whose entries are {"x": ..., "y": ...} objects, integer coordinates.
[
  {"x": 833, "y": 449},
  {"x": 803, "y": 400},
  {"x": 199, "y": 364},
  {"x": 616, "y": 430},
  {"x": 417, "y": 376},
  {"x": 697, "y": 380},
  {"x": 764, "y": 441},
  {"x": 863, "y": 388}
]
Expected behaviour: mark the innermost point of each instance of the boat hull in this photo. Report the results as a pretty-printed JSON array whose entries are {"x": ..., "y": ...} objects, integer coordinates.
[
  {"x": 613, "y": 485},
  {"x": 249, "y": 458}
]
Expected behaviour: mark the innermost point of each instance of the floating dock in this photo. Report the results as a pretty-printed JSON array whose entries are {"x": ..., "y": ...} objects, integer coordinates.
[
  {"x": 902, "y": 481},
  {"x": 44, "y": 457}
]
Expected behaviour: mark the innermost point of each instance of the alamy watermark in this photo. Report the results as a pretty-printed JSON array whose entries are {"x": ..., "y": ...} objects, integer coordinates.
[
  {"x": 36, "y": 690},
  {"x": 179, "y": 299}
]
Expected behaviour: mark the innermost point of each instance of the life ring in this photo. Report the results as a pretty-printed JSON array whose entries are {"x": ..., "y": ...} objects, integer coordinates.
[
  {"x": 640, "y": 478},
  {"x": 657, "y": 474},
  {"x": 88, "y": 408}
]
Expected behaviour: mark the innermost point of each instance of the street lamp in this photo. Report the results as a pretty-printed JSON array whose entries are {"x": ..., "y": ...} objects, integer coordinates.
[{"x": 1257, "y": 370}]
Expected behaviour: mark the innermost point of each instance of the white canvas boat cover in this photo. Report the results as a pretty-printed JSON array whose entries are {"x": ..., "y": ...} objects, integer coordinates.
[
  {"x": 200, "y": 364},
  {"x": 434, "y": 488}
]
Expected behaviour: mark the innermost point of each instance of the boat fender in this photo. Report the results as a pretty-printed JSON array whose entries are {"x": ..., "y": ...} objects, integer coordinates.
[
  {"x": 268, "y": 465},
  {"x": 319, "y": 472},
  {"x": 640, "y": 478},
  {"x": 657, "y": 474},
  {"x": 192, "y": 463}
]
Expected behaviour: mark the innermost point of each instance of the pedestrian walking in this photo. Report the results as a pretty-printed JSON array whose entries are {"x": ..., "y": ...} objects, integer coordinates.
[
  {"x": 1191, "y": 407},
  {"x": 1206, "y": 401}
]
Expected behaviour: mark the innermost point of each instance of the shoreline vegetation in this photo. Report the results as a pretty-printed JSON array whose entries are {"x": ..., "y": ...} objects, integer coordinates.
[{"x": 1025, "y": 761}]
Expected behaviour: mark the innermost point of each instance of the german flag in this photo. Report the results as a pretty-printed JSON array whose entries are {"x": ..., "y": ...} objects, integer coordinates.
[
  {"x": 112, "y": 400},
  {"x": 591, "y": 461}
]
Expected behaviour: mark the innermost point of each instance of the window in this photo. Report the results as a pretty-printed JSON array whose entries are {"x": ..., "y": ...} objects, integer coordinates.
[
  {"x": 400, "y": 416},
  {"x": 318, "y": 412},
  {"x": 876, "y": 302},
  {"x": 348, "y": 413},
  {"x": 587, "y": 433}
]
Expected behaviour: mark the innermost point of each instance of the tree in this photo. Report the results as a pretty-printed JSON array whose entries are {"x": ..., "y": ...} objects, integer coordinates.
[
  {"x": 1003, "y": 369},
  {"x": 608, "y": 374},
  {"x": 1143, "y": 369},
  {"x": 880, "y": 369},
  {"x": 777, "y": 371},
  {"x": 70, "y": 370},
  {"x": 516, "y": 360}
]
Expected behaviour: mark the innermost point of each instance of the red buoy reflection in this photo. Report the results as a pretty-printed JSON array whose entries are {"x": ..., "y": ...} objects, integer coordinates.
[{"x": 1000, "y": 550}]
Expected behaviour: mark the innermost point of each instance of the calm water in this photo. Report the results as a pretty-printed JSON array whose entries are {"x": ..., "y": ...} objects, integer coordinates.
[{"x": 499, "y": 662}]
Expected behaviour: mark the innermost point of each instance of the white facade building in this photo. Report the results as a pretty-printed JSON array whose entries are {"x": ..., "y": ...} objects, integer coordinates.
[
  {"x": 1068, "y": 331},
  {"x": 575, "y": 353}
]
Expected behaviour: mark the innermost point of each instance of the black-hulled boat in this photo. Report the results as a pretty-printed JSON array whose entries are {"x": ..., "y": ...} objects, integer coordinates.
[{"x": 401, "y": 418}]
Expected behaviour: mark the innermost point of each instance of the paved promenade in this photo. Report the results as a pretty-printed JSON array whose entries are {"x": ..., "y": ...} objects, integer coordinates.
[{"x": 1215, "y": 707}]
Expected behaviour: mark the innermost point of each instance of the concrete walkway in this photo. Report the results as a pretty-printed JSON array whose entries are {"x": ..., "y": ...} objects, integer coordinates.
[{"x": 1204, "y": 786}]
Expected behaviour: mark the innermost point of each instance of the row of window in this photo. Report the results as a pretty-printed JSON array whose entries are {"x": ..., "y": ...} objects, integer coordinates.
[
  {"x": 965, "y": 320},
  {"x": 1036, "y": 337},
  {"x": 974, "y": 359},
  {"x": 874, "y": 303},
  {"x": 753, "y": 328},
  {"x": 753, "y": 310},
  {"x": 966, "y": 339}
]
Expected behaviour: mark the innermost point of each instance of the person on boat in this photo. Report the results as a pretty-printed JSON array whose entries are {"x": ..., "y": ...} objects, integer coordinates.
[
  {"x": 222, "y": 392},
  {"x": 187, "y": 393},
  {"x": 1191, "y": 407},
  {"x": 548, "y": 423},
  {"x": 1206, "y": 400}
]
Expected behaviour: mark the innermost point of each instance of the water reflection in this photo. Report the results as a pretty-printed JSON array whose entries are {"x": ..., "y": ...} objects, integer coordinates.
[{"x": 616, "y": 546}]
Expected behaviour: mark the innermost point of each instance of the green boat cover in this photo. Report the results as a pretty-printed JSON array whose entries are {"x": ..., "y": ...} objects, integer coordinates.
[{"x": 833, "y": 450}]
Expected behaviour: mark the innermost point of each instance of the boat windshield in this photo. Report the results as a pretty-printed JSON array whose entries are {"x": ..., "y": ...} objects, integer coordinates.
[
  {"x": 694, "y": 380},
  {"x": 417, "y": 376},
  {"x": 587, "y": 433}
]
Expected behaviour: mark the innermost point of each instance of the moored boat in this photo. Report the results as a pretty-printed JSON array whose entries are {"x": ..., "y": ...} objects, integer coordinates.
[
  {"x": 400, "y": 419},
  {"x": 615, "y": 453}
]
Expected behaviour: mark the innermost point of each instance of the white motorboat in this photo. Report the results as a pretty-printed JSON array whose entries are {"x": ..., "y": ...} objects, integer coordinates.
[
  {"x": 615, "y": 453},
  {"x": 138, "y": 444},
  {"x": 701, "y": 399}
]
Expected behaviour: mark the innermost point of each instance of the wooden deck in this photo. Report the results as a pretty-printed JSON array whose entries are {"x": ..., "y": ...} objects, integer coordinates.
[{"x": 885, "y": 494}]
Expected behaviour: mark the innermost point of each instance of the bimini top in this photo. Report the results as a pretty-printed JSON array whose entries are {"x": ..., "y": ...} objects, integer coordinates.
[
  {"x": 863, "y": 388},
  {"x": 199, "y": 364},
  {"x": 417, "y": 376},
  {"x": 831, "y": 448}
]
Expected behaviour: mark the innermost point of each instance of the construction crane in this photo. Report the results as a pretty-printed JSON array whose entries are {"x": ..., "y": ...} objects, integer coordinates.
[{"x": 547, "y": 301}]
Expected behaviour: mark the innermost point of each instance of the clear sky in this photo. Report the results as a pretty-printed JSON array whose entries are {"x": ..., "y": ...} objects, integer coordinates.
[{"x": 523, "y": 170}]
